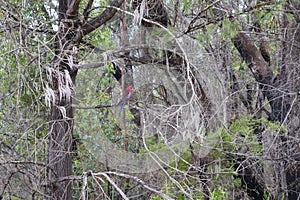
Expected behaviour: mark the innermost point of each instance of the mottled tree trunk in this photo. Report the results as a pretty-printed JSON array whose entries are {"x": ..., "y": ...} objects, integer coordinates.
[
  {"x": 282, "y": 98},
  {"x": 60, "y": 152},
  {"x": 62, "y": 77},
  {"x": 61, "y": 127},
  {"x": 288, "y": 81}
]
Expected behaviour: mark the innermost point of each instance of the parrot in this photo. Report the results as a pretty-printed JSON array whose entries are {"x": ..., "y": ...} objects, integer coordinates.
[{"x": 127, "y": 96}]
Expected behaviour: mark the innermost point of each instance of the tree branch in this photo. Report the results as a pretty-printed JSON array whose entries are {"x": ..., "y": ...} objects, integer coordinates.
[
  {"x": 87, "y": 8},
  {"x": 102, "y": 18},
  {"x": 73, "y": 8},
  {"x": 253, "y": 58},
  {"x": 264, "y": 75},
  {"x": 93, "y": 107}
]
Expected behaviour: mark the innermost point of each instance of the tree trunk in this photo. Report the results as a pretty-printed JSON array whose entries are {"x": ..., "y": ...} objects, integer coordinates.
[
  {"x": 289, "y": 80},
  {"x": 60, "y": 149},
  {"x": 62, "y": 76},
  {"x": 61, "y": 127},
  {"x": 281, "y": 182}
]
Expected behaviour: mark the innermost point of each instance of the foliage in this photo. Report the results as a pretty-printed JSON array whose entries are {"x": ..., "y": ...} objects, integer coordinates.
[
  {"x": 192, "y": 78},
  {"x": 23, "y": 116},
  {"x": 219, "y": 194}
]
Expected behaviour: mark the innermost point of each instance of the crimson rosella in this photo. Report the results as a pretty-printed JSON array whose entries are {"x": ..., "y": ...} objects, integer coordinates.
[{"x": 126, "y": 97}]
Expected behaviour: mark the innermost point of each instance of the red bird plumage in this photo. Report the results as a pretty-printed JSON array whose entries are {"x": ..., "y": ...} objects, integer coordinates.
[{"x": 126, "y": 98}]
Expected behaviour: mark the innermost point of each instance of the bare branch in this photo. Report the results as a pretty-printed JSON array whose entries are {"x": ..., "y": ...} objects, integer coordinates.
[{"x": 102, "y": 18}]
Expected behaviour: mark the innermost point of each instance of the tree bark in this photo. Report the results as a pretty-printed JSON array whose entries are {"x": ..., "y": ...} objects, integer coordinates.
[
  {"x": 263, "y": 75},
  {"x": 63, "y": 80},
  {"x": 289, "y": 80},
  {"x": 277, "y": 174},
  {"x": 62, "y": 77}
]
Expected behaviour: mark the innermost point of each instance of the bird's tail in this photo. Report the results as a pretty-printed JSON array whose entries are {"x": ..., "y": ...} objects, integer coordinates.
[{"x": 121, "y": 107}]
